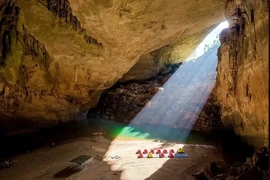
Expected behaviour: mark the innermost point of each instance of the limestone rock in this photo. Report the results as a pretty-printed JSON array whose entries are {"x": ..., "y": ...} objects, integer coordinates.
[
  {"x": 58, "y": 56},
  {"x": 251, "y": 169},
  {"x": 242, "y": 82}
]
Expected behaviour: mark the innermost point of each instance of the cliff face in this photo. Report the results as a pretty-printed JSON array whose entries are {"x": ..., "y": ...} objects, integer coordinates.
[
  {"x": 242, "y": 83},
  {"x": 57, "y": 56}
]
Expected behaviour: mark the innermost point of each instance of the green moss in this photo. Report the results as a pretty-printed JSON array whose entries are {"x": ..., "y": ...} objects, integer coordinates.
[
  {"x": 13, "y": 60},
  {"x": 13, "y": 63}
]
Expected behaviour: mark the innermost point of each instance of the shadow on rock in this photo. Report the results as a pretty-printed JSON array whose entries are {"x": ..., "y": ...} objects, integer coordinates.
[
  {"x": 68, "y": 171},
  {"x": 255, "y": 167}
]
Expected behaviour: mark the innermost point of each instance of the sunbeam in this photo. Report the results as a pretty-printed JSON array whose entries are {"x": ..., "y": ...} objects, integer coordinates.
[
  {"x": 172, "y": 112},
  {"x": 179, "y": 102}
]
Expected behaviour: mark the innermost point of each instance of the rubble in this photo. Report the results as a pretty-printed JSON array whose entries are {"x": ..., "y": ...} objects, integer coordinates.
[
  {"x": 255, "y": 167},
  {"x": 126, "y": 100}
]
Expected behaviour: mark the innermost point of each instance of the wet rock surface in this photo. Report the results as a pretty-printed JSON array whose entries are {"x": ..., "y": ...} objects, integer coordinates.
[{"x": 255, "y": 167}]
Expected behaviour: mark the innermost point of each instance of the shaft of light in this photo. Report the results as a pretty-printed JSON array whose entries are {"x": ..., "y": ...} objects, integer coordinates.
[
  {"x": 174, "y": 109},
  {"x": 180, "y": 101}
]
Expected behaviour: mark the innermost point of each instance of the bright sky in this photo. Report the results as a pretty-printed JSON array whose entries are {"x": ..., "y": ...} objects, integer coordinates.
[{"x": 210, "y": 38}]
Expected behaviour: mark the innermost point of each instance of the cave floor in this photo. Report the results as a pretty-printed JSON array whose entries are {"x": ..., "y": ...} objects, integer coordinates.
[{"x": 52, "y": 162}]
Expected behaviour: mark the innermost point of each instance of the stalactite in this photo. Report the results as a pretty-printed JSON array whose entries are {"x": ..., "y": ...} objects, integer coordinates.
[
  {"x": 62, "y": 9},
  {"x": 36, "y": 47},
  {"x": 8, "y": 31}
]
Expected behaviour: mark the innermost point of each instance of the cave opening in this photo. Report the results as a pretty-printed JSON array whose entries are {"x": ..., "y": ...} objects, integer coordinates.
[
  {"x": 174, "y": 106},
  {"x": 173, "y": 98},
  {"x": 177, "y": 105},
  {"x": 135, "y": 63}
]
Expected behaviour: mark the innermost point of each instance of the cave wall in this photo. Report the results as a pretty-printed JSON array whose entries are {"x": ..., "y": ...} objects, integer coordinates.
[
  {"x": 242, "y": 82},
  {"x": 59, "y": 55},
  {"x": 31, "y": 92},
  {"x": 151, "y": 63}
]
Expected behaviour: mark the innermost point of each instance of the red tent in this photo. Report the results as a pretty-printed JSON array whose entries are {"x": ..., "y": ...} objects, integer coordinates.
[
  {"x": 140, "y": 156},
  {"x": 145, "y": 151},
  {"x": 161, "y": 155}
]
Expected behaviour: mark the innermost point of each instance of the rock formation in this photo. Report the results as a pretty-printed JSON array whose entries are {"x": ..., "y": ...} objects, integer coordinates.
[
  {"x": 57, "y": 56},
  {"x": 242, "y": 83},
  {"x": 255, "y": 167}
]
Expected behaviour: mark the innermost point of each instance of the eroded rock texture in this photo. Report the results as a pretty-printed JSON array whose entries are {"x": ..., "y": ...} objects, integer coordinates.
[
  {"x": 242, "y": 84},
  {"x": 57, "y": 56}
]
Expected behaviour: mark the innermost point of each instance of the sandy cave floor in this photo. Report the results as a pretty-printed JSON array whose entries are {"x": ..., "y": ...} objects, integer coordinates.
[{"x": 52, "y": 162}]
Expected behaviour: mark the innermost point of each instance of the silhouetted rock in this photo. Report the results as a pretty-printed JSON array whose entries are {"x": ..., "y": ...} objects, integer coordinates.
[{"x": 255, "y": 167}]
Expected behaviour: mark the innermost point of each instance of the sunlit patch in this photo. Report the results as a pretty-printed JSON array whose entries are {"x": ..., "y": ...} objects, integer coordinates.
[
  {"x": 130, "y": 133},
  {"x": 144, "y": 167},
  {"x": 172, "y": 112}
]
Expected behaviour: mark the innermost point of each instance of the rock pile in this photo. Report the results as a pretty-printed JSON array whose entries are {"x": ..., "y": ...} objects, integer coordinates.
[
  {"x": 255, "y": 167},
  {"x": 124, "y": 101}
]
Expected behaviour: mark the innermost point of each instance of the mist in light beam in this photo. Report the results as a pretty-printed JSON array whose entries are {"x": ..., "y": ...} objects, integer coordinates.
[
  {"x": 174, "y": 109},
  {"x": 184, "y": 94}
]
